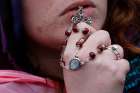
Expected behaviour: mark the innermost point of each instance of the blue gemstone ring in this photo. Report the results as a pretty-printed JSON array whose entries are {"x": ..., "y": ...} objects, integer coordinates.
[{"x": 74, "y": 64}]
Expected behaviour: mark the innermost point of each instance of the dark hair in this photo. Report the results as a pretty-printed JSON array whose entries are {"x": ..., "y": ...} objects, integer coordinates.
[
  {"x": 123, "y": 17},
  {"x": 12, "y": 42},
  {"x": 123, "y": 23}
]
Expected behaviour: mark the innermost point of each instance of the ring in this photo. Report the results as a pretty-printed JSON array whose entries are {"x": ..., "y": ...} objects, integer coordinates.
[
  {"x": 73, "y": 65},
  {"x": 115, "y": 51}
]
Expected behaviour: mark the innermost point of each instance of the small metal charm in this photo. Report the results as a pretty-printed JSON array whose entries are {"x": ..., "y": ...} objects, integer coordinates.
[
  {"x": 89, "y": 20},
  {"x": 79, "y": 17}
]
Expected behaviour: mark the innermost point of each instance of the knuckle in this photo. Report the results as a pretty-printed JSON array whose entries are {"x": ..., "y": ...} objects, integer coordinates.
[
  {"x": 112, "y": 68},
  {"x": 67, "y": 55},
  {"x": 104, "y": 34},
  {"x": 114, "y": 71},
  {"x": 82, "y": 25},
  {"x": 109, "y": 67},
  {"x": 121, "y": 78},
  {"x": 126, "y": 65},
  {"x": 81, "y": 55}
]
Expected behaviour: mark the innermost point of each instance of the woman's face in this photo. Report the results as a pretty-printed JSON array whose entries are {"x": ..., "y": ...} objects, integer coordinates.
[{"x": 46, "y": 21}]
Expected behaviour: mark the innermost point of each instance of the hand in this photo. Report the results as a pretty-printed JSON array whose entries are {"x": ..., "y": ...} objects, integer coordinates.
[{"x": 104, "y": 73}]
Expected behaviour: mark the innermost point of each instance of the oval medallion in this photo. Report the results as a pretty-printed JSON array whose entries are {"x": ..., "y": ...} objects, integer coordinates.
[{"x": 74, "y": 64}]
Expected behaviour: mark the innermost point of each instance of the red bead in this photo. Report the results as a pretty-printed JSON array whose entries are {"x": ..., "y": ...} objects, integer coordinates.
[
  {"x": 79, "y": 44},
  {"x": 75, "y": 29},
  {"x": 92, "y": 55},
  {"x": 85, "y": 31},
  {"x": 67, "y": 33}
]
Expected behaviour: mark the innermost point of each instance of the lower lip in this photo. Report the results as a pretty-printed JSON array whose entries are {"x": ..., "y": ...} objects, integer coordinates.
[{"x": 89, "y": 11}]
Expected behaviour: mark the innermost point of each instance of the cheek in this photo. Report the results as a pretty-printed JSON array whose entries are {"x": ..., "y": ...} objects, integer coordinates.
[
  {"x": 47, "y": 35},
  {"x": 100, "y": 14},
  {"x": 42, "y": 24}
]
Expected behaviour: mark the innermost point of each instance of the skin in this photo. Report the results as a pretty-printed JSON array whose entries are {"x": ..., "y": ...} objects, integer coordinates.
[
  {"x": 44, "y": 47},
  {"x": 40, "y": 19},
  {"x": 104, "y": 74}
]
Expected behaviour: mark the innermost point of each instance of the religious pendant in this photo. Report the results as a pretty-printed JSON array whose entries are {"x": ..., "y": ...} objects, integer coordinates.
[{"x": 79, "y": 17}]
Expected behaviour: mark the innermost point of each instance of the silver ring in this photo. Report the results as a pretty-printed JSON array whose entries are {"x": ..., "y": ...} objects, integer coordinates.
[
  {"x": 79, "y": 17},
  {"x": 73, "y": 65},
  {"x": 114, "y": 50}
]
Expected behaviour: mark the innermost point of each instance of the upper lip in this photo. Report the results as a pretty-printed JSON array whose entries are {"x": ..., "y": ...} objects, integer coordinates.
[{"x": 75, "y": 5}]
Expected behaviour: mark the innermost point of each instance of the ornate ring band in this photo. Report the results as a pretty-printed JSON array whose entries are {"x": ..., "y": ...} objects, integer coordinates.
[
  {"x": 115, "y": 51},
  {"x": 73, "y": 65}
]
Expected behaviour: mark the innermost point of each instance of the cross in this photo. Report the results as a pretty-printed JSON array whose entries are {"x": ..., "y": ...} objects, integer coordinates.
[{"x": 79, "y": 17}]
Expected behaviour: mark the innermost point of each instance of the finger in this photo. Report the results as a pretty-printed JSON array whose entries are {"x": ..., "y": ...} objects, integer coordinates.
[
  {"x": 98, "y": 38},
  {"x": 123, "y": 65},
  {"x": 114, "y": 52},
  {"x": 71, "y": 47},
  {"x": 123, "y": 68}
]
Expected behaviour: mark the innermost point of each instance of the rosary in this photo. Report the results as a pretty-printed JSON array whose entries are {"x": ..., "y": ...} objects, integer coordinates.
[{"x": 77, "y": 18}]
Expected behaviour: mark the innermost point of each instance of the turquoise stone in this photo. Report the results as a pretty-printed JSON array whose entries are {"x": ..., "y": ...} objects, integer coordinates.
[
  {"x": 113, "y": 48},
  {"x": 74, "y": 64}
]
